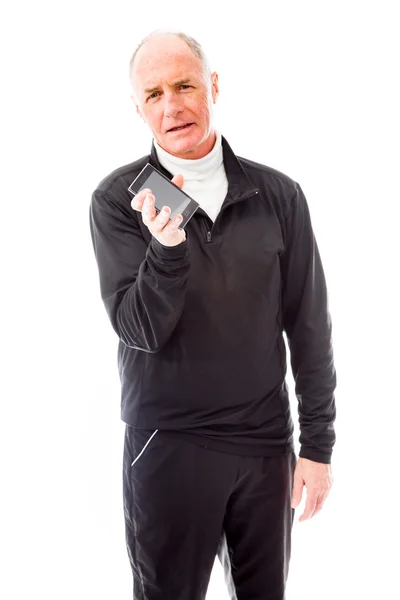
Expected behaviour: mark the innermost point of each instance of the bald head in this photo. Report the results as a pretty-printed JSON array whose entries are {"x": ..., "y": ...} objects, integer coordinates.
[{"x": 159, "y": 41}]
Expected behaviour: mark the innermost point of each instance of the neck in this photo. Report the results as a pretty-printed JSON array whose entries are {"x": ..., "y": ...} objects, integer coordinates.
[
  {"x": 199, "y": 152},
  {"x": 195, "y": 169},
  {"x": 206, "y": 147}
]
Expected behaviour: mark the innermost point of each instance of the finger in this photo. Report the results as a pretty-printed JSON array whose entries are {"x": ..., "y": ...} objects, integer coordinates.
[
  {"x": 162, "y": 219},
  {"x": 320, "y": 503},
  {"x": 174, "y": 224},
  {"x": 148, "y": 210},
  {"x": 297, "y": 493},
  {"x": 311, "y": 503},
  {"x": 178, "y": 180},
  {"x": 137, "y": 201},
  {"x": 317, "y": 509}
]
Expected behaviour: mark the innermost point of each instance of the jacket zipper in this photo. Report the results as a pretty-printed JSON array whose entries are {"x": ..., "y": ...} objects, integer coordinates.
[{"x": 209, "y": 234}]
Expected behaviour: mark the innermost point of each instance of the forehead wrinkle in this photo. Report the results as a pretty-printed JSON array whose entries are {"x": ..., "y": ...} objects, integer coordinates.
[
  {"x": 148, "y": 60},
  {"x": 167, "y": 62}
]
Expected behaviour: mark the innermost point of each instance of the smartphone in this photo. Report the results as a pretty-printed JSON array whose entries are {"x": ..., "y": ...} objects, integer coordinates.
[{"x": 166, "y": 193}]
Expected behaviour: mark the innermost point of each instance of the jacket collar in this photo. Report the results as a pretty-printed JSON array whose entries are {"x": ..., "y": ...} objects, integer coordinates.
[{"x": 239, "y": 184}]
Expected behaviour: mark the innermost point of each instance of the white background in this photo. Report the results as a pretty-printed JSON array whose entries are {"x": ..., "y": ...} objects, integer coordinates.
[{"x": 309, "y": 88}]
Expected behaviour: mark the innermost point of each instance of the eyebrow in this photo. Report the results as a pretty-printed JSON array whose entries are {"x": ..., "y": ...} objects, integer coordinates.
[{"x": 176, "y": 84}]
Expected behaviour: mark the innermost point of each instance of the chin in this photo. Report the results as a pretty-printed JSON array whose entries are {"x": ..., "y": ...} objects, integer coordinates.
[{"x": 183, "y": 146}]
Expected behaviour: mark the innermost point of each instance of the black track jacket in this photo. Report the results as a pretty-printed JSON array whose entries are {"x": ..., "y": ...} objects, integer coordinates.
[{"x": 200, "y": 325}]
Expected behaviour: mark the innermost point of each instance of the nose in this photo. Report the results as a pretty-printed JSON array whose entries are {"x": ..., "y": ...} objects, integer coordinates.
[{"x": 173, "y": 105}]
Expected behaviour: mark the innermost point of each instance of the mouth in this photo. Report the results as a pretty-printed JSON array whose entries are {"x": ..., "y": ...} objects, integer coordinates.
[{"x": 180, "y": 128}]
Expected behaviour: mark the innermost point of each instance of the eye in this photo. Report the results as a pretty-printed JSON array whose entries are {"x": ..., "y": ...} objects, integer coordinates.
[
  {"x": 153, "y": 95},
  {"x": 185, "y": 86}
]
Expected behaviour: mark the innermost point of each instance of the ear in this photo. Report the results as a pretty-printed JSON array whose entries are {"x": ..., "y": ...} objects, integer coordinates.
[
  {"x": 139, "y": 112},
  {"x": 214, "y": 87}
]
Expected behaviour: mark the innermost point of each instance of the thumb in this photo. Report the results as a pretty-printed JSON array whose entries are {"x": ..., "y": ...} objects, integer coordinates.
[
  {"x": 297, "y": 490},
  {"x": 178, "y": 180}
]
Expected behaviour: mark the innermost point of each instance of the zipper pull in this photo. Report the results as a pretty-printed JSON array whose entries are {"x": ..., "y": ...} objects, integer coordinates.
[{"x": 208, "y": 236}]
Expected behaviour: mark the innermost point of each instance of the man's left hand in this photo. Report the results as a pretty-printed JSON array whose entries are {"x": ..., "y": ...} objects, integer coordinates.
[{"x": 317, "y": 478}]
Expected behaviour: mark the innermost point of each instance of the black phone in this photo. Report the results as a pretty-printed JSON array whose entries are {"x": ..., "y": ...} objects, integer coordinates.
[{"x": 166, "y": 193}]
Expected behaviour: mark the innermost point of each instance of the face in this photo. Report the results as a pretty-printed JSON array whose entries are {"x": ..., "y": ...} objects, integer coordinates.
[{"x": 175, "y": 97}]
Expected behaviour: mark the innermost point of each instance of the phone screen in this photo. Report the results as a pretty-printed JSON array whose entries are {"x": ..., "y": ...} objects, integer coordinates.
[{"x": 165, "y": 193}]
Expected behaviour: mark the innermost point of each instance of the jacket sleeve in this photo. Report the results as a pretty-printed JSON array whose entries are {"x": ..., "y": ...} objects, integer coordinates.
[
  {"x": 308, "y": 327},
  {"x": 142, "y": 284}
]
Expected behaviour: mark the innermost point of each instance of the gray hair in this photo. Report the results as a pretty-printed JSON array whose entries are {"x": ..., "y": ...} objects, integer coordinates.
[{"x": 191, "y": 42}]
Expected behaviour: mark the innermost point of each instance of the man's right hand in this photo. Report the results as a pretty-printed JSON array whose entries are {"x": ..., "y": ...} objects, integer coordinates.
[{"x": 159, "y": 225}]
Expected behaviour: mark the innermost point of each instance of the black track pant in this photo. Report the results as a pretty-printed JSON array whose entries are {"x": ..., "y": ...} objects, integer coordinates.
[{"x": 184, "y": 504}]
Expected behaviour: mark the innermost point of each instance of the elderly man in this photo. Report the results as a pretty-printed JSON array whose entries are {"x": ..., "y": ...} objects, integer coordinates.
[{"x": 209, "y": 465}]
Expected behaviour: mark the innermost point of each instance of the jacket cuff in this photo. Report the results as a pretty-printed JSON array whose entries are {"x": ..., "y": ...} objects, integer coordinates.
[
  {"x": 179, "y": 251},
  {"x": 315, "y": 455}
]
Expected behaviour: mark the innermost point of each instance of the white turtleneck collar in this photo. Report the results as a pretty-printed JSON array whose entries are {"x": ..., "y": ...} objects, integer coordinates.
[
  {"x": 204, "y": 178},
  {"x": 198, "y": 168}
]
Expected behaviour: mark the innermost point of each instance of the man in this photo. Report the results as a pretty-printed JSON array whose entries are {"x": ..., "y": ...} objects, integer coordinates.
[{"x": 209, "y": 463}]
